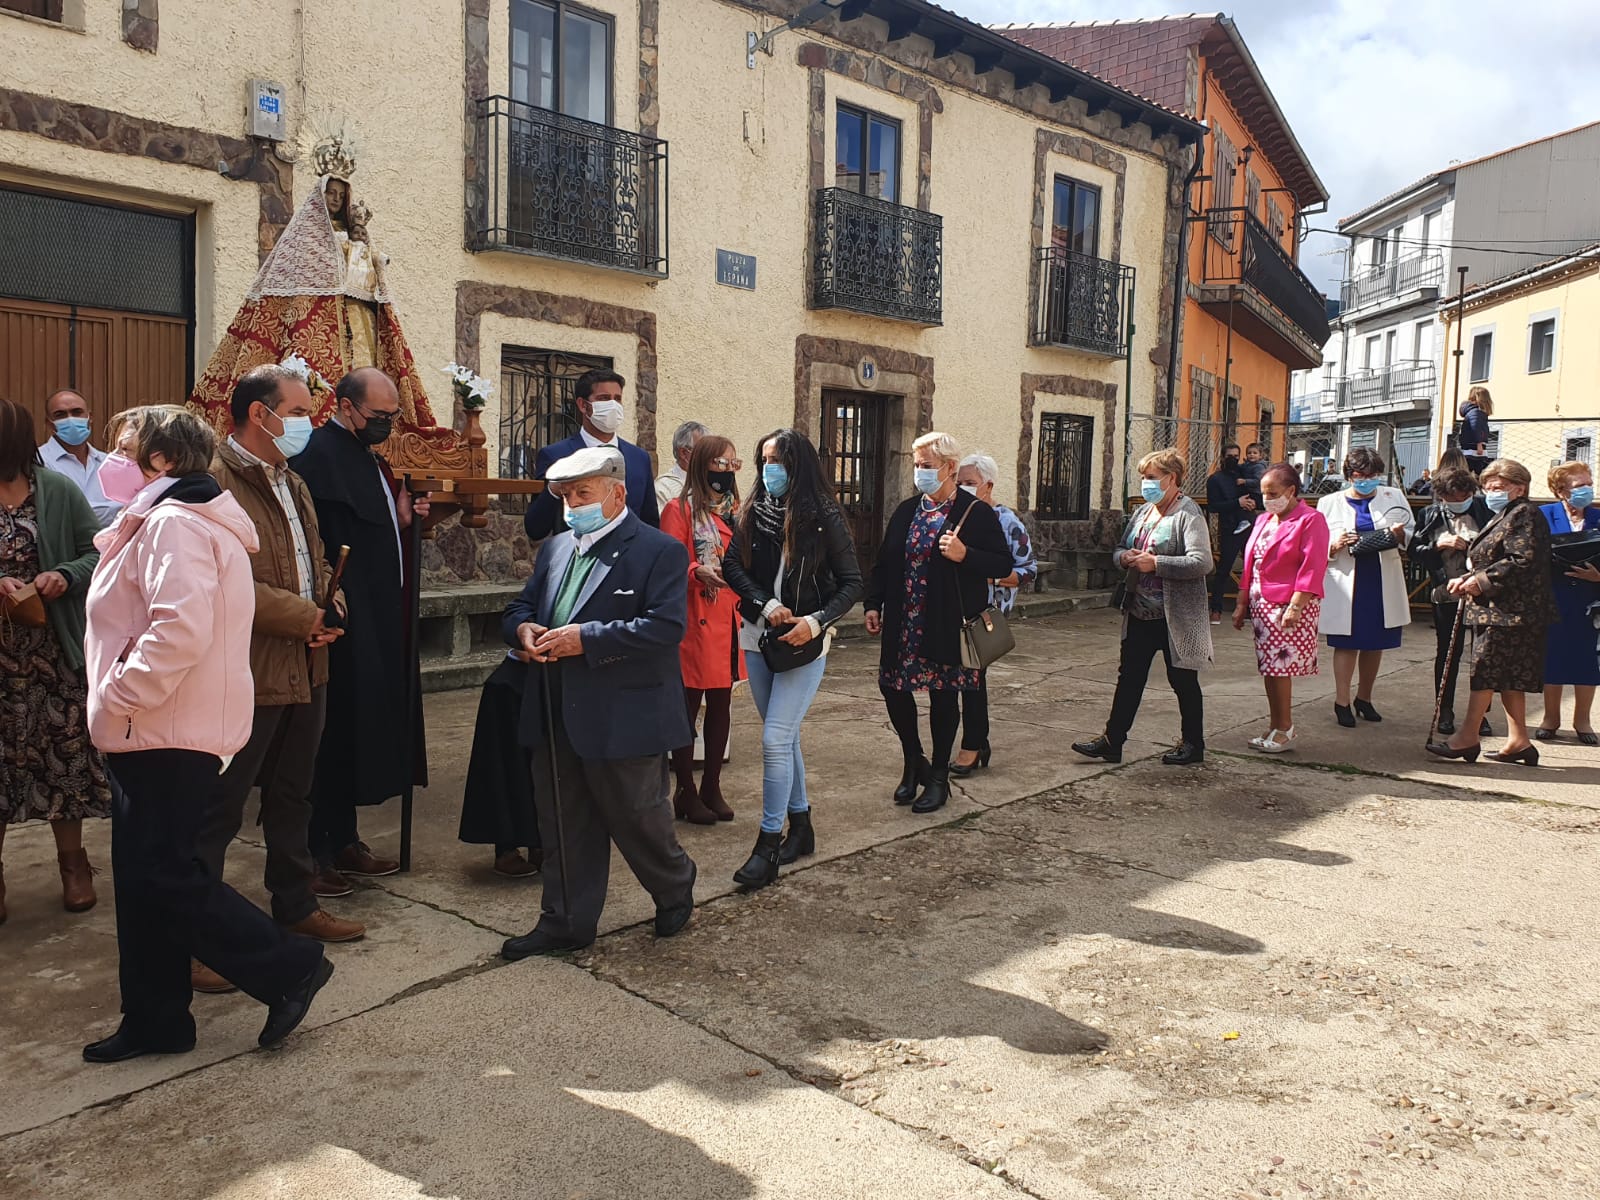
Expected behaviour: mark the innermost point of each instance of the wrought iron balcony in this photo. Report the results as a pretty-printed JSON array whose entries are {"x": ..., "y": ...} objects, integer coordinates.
[
  {"x": 1405, "y": 384},
  {"x": 555, "y": 186},
  {"x": 873, "y": 256},
  {"x": 1084, "y": 302},
  {"x": 1241, "y": 258},
  {"x": 1401, "y": 277}
]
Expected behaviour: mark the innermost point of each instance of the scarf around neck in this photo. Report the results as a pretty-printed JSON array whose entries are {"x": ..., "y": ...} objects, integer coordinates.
[{"x": 769, "y": 512}]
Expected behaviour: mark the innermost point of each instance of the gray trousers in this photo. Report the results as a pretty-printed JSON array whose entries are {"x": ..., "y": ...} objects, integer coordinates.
[
  {"x": 603, "y": 801},
  {"x": 281, "y": 756}
]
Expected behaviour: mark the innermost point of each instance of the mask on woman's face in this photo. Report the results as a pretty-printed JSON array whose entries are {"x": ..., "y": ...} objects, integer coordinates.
[
  {"x": 1152, "y": 490},
  {"x": 970, "y": 489},
  {"x": 1581, "y": 497},
  {"x": 1459, "y": 506},
  {"x": 720, "y": 482},
  {"x": 1497, "y": 501},
  {"x": 1277, "y": 505},
  {"x": 1364, "y": 487},
  {"x": 120, "y": 478},
  {"x": 775, "y": 478},
  {"x": 927, "y": 480}
]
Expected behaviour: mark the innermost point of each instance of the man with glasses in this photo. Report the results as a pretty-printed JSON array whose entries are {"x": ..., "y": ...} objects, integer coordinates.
[
  {"x": 360, "y": 504},
  {"x": 670, "y": 485}
]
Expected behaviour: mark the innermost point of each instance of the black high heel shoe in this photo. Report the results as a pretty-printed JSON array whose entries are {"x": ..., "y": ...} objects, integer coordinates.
[
  {"x": 1466, "y": 753},
  {"x": 916, "y": 775},
  {"x": 1344, "y": 715},
  {"x": 981, "y": 763},
  {"x": 1365, "y": 711},
  {"x": 1528, "y": 756}
]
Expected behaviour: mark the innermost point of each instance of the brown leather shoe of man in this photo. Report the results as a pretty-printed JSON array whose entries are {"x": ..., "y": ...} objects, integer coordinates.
[
  {"x": 360, "y": 860},
  {"x": 512, "y": 865},
  {"x": 326, "y": 927},
  {"x": 203, "y": 979},
  {"x": 77, "y": 881},
  {"x": 329, "y": 884}
]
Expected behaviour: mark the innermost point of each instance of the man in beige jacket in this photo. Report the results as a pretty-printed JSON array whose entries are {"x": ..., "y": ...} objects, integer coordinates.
[{"x": 272, "y": 410}]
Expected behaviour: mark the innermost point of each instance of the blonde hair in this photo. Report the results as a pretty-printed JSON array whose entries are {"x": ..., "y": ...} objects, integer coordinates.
[
  {"x": 1560, "y": 478},
  {"x": 1167, "y": 461},
  {"x": 1507, "y": 470},
  {"x": 1479, "y": 395},
  {"x": 943, "y": 446}
]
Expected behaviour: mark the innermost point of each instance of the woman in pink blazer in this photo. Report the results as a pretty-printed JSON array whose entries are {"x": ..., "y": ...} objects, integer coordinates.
[{"x": 1280, "y": 591}]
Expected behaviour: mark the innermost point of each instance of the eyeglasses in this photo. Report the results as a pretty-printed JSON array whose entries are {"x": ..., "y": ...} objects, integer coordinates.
[
  {"x": 378, "y": 414},
  {"x": 728, "y": 464}
]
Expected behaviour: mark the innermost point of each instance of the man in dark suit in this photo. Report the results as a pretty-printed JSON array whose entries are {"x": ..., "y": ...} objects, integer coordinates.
[
  {"x": 603, "y": 616},
  {"x": 1230, "y": 500},
  {"x": 598, "y": 395}
]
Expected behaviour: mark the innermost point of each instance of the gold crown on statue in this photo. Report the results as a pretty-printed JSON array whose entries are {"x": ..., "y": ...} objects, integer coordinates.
[{"x": 335, "y": 155}]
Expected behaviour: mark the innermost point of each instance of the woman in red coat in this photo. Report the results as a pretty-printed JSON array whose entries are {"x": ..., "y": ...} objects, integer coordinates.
[{"x": 710, "y": 655}]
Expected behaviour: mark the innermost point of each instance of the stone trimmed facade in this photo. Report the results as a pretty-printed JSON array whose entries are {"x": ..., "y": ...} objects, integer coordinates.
[
  {"x": 1104, "y": 524},
  {"x": 897, "y": 368},
  {"x": 141, "y": 24}
]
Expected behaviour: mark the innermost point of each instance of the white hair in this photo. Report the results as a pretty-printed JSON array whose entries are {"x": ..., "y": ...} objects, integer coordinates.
[
  {"x": 944, "y": 447},
  {"x": 683, "y": 437},
  {"x": 988, "y": 470}
]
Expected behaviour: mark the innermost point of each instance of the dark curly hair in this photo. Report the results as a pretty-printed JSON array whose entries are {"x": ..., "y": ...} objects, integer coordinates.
[{"x": 1363, "y": 460}]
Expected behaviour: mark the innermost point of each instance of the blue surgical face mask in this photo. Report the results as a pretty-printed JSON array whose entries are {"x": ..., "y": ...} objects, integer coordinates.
[
  {"x": 1364, "y": 487},
  {"x": 1581, "y": 497},
  {"x": 1458, "y": 506},
  {"x": 296, "y": 433},
  {"x": 927, "y": 479},
  {"x": 1152, "y": 490},
  {"x": 586, "y": 518},
  {"x": 74, "y": 431},
  {"x": 1497, "y": 501},
  {"x": 775, "y": 478}
]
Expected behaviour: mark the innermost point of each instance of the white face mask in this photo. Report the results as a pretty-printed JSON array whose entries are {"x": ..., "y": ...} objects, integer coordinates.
[
  {"x": 969, "y": 489},
  {"x": 606, "y": 415},
  {"x": 1277, "y": 504}
]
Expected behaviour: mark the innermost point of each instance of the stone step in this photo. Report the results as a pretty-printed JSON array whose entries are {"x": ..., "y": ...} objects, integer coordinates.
[{"x": 441, "y": 674}]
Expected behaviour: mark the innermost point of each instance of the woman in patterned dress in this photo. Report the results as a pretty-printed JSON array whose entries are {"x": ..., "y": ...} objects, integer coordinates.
[
  {"x": 48, "y": 769},
  {"x": 1280, "y": 592},
  {"x": 939, "y": 552}
]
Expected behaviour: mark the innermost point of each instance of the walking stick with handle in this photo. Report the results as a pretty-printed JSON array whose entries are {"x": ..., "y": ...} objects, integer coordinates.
[
  {"x": 1449, "y": 666},
  {"x": 413, "y": 683},
  {"x": 555, "y": 786}
]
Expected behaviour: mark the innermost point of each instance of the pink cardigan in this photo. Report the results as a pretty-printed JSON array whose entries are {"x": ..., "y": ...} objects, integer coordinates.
[{"x": 1296, "y": 560}]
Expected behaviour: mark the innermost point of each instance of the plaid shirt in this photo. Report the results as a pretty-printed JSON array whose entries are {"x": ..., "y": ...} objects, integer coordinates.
[{"x": 278, "y": 477}]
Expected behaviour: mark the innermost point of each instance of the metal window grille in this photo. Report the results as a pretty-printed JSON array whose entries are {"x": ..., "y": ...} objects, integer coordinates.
[
  {"x": 537, "y": 408},
  {"x": 1083, "y": 302},
  {"x": 853, "y": 456},
  {"x": 876, "y": 257},
  {"x": 1066, "y": 447}
]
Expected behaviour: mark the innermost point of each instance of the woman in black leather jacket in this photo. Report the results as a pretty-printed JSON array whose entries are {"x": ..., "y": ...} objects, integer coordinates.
[{"x": 793, "y": 565}]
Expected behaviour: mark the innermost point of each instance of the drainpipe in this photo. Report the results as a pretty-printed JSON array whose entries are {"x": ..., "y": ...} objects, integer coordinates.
[
  {"x": 1180, "y": 273},
  {"x": 1461, "y": 310},
  {"x": 1127, "y": 392}
]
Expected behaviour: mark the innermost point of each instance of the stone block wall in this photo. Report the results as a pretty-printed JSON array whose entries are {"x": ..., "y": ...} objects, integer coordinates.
[{"x": 498, "y": 553}]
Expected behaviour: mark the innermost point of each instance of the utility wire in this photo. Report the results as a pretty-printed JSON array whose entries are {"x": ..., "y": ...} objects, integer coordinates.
[{"x": 1576, "y": 243}]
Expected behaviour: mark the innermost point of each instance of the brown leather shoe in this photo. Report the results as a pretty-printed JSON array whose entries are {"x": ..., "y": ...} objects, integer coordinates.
[
  {"x": 203, "y": 979},
  {"x": 326, "y": 927},
  {"x": 512, "y": 865},
  {"x": 329, "y": 884},
  {"x": 77, "y": 881},
  {"x": 360, "y": 860}
]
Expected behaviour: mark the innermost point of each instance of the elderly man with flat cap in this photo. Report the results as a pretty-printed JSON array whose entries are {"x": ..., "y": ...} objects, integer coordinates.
[{"x": 602, "y": 618}]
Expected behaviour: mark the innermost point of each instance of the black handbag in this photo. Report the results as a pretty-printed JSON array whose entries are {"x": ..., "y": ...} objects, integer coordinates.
[
  {"x": 1574, "y": 549},
  {"x": 780, "y": 656}
]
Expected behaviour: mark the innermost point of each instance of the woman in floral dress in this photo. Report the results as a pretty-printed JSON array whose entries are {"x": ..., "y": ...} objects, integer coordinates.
[
  {"x": 939, "y": 552},
  {"x": 48, "y": 769}
]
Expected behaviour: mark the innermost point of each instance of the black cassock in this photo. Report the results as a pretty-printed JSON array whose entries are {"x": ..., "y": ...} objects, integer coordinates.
[
  {"x": 497, "y": 803},
  {"x": 362, "y": 755}
]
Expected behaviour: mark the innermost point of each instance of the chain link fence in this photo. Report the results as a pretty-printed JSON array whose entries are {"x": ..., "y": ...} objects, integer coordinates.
[{"x": 1540, "y": 443}]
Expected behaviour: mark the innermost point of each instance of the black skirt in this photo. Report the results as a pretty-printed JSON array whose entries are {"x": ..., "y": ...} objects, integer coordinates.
[{"x": 497, "y": 804}]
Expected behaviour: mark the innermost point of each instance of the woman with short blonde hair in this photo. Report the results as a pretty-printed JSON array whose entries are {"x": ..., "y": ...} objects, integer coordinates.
[
  {"x": 1167, "y": 462},
  {"x": 1569, "y": 653}
]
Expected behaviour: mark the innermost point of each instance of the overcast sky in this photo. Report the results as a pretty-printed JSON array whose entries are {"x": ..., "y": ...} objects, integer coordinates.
[{"x": 1382, "y": 92}]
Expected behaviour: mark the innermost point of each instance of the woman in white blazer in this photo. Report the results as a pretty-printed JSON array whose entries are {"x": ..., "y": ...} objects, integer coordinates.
[{"x": 1365, "y": 604}]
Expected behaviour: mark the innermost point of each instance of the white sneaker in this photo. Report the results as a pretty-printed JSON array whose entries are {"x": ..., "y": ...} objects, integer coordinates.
[{"x": 1271, "y": 743}]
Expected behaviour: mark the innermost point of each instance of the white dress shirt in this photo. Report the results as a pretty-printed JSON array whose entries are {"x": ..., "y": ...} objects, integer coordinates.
[
  {"x": 669, "y": 486},
  {"x": 591, "y": 441},
  {"x": 278, "y": 477},
  {"x": 86, "y": 475}
]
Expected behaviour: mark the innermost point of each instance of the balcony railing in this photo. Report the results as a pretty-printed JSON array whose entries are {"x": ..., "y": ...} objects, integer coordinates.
[
  {"x": 1083, "y": 302},
  {"x": 873, "y": 256},
  {"x": 1397, "y": 278},
  {"x": 556, "y": 186},
  {"x": 1406, "y": 383},
  {"x": 1241, "y": 250}
]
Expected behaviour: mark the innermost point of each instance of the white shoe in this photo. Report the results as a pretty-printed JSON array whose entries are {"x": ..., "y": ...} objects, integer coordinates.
[
  {"x": 1216, "y": 618},
  {"x": 1270, "y": 744}
]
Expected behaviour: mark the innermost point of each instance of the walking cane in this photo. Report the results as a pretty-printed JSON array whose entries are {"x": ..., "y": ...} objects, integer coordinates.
[
  {"x": 1449, "y": 666},
  {"x": 413, "y": 667},
  {"x": 555, "y": 786}
]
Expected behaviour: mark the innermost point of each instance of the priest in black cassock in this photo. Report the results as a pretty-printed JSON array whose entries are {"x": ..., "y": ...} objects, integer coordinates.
[{"x": 360, "y": 504}]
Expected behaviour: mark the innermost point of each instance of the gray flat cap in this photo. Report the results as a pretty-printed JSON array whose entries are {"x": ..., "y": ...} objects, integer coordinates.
[{"x": 604, "y": 461}]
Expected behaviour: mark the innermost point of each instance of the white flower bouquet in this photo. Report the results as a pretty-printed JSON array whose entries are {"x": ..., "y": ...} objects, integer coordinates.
[{"x": 472, "y": 389}]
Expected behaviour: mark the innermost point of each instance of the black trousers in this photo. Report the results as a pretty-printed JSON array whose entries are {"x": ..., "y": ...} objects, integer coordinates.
[
  {"x": 1444, "y": 623},
  {"x": 171, "y": 908},
  {"x": 279, "y": 757},
  {"x": 1229, "y": 546},
  {"x": 944, "y": 720},
  {"x": 975, "y": 715},
  {"x": 1144, "y": 640}
]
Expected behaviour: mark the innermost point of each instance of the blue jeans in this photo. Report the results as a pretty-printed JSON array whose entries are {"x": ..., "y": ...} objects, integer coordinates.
[{"x": 782, "y": 700}]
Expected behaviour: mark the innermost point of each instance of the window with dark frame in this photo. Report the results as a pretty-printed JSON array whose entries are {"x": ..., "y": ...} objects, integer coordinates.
[
  {"x": 536, "y": 404},
  {"x": 1223, "y": 185},
  {"x": 1265, "y": 411},
  {"x": 1541, "y": 346},
  {"x": 1581, "y": 449},
  {"x": 1066, "y": 461},
  {"x": 561, "y": 58},
  {"x": 1252, "y": 193},
  {"x": 1200, "y": 394},
  {"x": 1230, "y": 412},
  {"x": 45, "y": 10},
  {"x": 867, "y": 153},
  {"x": 1076, "y": 220},
  {"x": 1482, "y": 356}
]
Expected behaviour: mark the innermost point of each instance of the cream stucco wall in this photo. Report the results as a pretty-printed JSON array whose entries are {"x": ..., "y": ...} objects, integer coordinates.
[{"x": 739, "y": 181}]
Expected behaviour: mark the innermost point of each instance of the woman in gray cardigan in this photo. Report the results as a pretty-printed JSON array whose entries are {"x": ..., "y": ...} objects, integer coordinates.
[{"x": 1166, "y": 551}]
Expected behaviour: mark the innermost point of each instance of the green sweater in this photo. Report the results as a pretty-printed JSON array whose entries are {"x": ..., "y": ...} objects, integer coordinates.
[{"x": 67, "y": 526}]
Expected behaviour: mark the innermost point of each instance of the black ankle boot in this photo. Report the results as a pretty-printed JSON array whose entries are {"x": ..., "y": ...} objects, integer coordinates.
[
  {"x": 801, "y": 838},
  {"x": 762, "y": 868},
  {"x": 915, "y": 775},
  {"x": 935, "y": 794}
]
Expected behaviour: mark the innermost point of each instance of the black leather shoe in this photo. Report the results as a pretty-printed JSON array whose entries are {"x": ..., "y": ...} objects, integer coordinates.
[
  {"x": 914, "y": 776},
  {"x": 761, "y": 868},
  {"x": 122, "y": 1045},
  {"x": 800, "y": 840},
  {"x": 674, "y": 917},
  {"x": 935, "y": 795},
  {"x": 1344, "y": 715},
  {"x": 1365, "y": 711},
  {"x": 981, "y": 763},
  {"x": 1545, "y": 735},
  {"x": 285, "y": 1016},
  {"x": 1101, "y": 748},
  {"x": 537, "y": 941},
  {"x": 1447, "y": 724},
  {"x": 1184, "y": 754}
]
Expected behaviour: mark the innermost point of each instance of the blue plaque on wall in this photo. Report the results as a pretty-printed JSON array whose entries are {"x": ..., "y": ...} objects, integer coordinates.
[{"x": 736, "y": 270}]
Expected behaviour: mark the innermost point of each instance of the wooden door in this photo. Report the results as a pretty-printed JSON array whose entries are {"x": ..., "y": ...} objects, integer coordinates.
[{"x": 853, "y": 455}]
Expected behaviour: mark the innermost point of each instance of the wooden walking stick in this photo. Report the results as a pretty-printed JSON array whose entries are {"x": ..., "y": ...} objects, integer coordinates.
[
  {"x": 1449, "y": 666},
  {"x": 555, "y": 787},
  {"x": 335, "y": 579}
]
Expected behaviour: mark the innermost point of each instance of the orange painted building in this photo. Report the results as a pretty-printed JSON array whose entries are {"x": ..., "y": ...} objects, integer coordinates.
[{"x": 1250, "y": 316}]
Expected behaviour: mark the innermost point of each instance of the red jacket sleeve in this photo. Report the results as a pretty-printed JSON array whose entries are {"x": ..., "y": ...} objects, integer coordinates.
[{"x": 675, "y": 524}]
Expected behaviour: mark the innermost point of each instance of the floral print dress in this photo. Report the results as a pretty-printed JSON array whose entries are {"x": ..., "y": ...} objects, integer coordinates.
[
  {"x": 911, "y": 672},
  {"x": 49, "y": 771},
  {"x": 1281, "y": 652}
]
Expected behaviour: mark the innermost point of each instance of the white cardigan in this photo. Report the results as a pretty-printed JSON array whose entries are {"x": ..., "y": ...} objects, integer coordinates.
[{"x": 1389, "y": 507}]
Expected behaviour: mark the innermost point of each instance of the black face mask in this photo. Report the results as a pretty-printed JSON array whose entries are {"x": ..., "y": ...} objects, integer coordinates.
[
  {"x": 1231, "y": 462},
  {"x": 721, "y": 481},
  {"x": 376, "y": 430}
]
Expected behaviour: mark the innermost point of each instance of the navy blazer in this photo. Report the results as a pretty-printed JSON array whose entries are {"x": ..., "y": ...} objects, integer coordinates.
[
  {"x": 623, "y": 696},
  {"x": 544, "y": 515}
]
